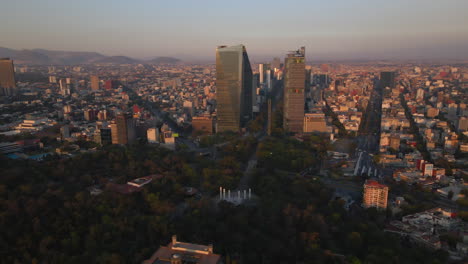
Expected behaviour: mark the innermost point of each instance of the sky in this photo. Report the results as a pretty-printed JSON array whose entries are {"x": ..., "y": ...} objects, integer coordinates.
[{"x": 191, "y": 29}]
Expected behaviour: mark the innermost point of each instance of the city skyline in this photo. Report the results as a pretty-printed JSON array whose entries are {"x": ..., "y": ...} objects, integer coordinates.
[
  {"x": 191, "y": 31},
  {"x": 202, "y": 132}
]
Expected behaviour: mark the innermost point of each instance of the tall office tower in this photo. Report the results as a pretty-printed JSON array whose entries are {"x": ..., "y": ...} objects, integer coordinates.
[
  {"x": 268, "y": 80},
  {"x": 262, "y": 70},
  {"x": 65, "y": 86},
  {"x": 233, "y": 88},
  {"x": 94, "y": 83},
  {"x": 375, "y": 195},
  {"x": 123, "y": 129},
  {"x": 7, "y": 77},
  {"x": 387, "y": 79},
  {"x": 276, "y": 63},
  {"x": 294, "y": 85}
]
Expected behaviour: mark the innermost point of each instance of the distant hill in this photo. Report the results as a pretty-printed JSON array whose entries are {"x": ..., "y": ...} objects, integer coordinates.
[
  {"x": 117, "y": 60},
  {"x": 53, "y": 57},
  {"x": 163, "y": 60}
]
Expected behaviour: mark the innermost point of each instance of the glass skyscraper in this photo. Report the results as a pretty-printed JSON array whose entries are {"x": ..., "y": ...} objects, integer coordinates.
[{"x": 233, "y": 88}]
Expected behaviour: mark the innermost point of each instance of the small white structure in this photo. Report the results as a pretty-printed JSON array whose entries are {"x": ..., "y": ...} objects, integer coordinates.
[{"x": 235, "y": 199}]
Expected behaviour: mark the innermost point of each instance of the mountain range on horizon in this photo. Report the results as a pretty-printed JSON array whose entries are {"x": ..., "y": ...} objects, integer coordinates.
[{"x": 54, "y": 57}]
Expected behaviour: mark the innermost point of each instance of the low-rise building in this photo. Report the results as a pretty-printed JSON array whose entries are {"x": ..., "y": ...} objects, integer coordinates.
[{"x": 178, "y": 252}]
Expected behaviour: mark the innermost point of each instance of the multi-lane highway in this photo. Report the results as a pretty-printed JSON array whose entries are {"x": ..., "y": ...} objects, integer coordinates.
[{"x": 369, "y": 134}]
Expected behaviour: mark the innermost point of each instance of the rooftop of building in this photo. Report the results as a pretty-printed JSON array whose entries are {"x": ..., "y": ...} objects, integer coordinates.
[
  {"x": 374, "y": 183},
  {"x": 188, "y": 252}
]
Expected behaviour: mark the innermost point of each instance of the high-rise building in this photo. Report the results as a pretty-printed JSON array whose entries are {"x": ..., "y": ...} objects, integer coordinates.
[
  {"x": 65, "y": 86},
  {"x": 268, "y": 80},
  {"x": 387, "y": 79},
  {"x": 7, "y": 77},
  {"x": 123, "y": 129},
  {"x": 90, "y": 114},
  {"x": 233, "y": 88},
  {"x": 294, "y": 86},
  {"x": 94, "y": 82},
  {"x": 111, "y": 84},
  {"x": 262, "y": 70},
  {"x": 375, "y": 195}
]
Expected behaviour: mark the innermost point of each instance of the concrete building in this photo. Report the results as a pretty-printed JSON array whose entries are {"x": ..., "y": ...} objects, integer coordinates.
[
  {"x": 375, "y": 195},
  {"x": 316, "y": 122},
  {"x": 462, "y": 124},
  {"x": 233, "y": 88},
  {"x": 294, "y": 88},
  {"x": 153, "y": 135},
  {"x": 94, "y": 82}
]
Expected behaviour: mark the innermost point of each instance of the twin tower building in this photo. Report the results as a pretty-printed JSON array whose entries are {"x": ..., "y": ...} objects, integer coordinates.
[{"x": 235, "y": 92}]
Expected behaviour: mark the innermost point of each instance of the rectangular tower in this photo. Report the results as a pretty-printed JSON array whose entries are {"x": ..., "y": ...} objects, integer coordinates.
[
  {"x": 123, "y": 129},
  {"x": 7, "y": 76},
  {"x": 233, "y": 88},
  {"x": 94, "y": 82},
  {"x": 294, "y": 86},
  {"x": 375, "y": 195}
]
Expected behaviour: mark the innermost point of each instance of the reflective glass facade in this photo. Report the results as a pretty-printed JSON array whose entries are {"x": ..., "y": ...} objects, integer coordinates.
[{"x": 233, "y": 88}]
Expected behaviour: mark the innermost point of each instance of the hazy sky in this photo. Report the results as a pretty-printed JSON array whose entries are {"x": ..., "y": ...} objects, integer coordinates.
[{"x": 191, "y": 29}]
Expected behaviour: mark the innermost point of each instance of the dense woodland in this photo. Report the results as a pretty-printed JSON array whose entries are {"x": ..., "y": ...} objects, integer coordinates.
[{"x": 48, "y": 216}]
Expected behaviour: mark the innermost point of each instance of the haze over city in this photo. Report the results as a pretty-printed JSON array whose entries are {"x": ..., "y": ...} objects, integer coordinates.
[
  {"x": 234, "y": 132},
  {"x": 190, "y": 30}
]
